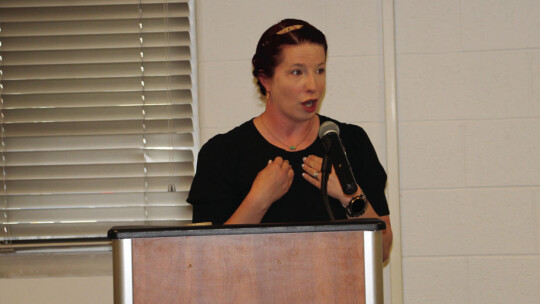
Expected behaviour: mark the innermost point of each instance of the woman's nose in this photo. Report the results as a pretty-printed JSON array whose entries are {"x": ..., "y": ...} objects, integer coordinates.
[{"x": 311, "y": 83}]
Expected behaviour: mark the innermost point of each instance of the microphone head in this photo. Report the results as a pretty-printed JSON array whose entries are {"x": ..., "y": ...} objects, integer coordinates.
[{"x": 328, "y": 127}]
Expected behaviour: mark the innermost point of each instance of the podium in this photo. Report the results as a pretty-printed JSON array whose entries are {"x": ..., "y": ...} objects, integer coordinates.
[{"x": 330, "y": 262}]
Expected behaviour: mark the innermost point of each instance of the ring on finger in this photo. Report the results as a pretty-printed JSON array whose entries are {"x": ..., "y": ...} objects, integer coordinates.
[{"x": 316, "y": 174}]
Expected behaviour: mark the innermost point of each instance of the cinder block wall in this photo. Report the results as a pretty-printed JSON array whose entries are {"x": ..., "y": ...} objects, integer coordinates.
[{"x": 469, "y": 106}]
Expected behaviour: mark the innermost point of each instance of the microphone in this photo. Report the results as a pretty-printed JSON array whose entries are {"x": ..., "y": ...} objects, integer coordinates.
[{"x": 329, "y": 134}]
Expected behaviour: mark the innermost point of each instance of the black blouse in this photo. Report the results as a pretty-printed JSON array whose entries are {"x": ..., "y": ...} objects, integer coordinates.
[{"x": 228, "y": 164}]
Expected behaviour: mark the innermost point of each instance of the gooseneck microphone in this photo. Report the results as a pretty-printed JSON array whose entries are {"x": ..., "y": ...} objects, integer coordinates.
[{"x": 329, "y": 135}]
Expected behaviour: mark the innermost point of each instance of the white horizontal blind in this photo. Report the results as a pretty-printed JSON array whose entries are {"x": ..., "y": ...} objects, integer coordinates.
[{"x": 96, "y": 116}]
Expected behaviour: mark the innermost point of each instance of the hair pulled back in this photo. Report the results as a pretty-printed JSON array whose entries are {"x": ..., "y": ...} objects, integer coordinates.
[{"x": 270, "y": 46}]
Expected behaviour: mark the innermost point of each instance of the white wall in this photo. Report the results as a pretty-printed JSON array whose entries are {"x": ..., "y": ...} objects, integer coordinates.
[
  {"x": 469, "y": 114},
  {"x": 57, "y": 290},
  {"x": 468, "y": 77}
]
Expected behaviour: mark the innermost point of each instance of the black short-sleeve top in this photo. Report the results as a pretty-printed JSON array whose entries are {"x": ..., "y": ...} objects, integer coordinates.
[{"x": 228, "y": 164}]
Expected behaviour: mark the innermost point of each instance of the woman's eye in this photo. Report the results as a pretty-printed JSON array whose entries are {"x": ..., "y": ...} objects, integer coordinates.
[
  {"x": 321, "y": 71},
  {"x": 296, "y": 72}
]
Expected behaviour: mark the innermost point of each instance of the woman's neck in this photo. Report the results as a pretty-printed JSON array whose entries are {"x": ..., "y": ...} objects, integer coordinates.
[{"x": 286, "y": 133}]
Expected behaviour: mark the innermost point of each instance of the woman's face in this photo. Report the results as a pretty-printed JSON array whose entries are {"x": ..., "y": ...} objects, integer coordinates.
[{"x": 299, "y": 81}]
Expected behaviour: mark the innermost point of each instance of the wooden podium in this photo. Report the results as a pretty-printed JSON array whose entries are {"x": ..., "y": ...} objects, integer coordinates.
[{"x": 330, "y": 262}]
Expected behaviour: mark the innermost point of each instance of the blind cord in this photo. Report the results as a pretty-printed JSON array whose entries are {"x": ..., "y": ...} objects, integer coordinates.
[
  {"x": 172, "y": 187},
  {"x": 143, "y": 113},
  {"x": 5, "y": 220}
]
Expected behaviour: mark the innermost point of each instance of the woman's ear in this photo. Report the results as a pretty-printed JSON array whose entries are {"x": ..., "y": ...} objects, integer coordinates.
[{"x": 266, "y": 81}]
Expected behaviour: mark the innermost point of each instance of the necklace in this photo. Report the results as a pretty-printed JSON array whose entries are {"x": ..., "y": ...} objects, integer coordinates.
[{"x": 290, "y": 147}]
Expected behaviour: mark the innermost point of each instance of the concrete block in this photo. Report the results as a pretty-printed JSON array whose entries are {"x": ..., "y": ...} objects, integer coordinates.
[
  {"x": 57, "y": 290},
  {"x": 504, "y": 279},
  {"x": 502, "y": 152},
  {"x": 354, "y": 27},
  {"x": 435, "y": 280},
  {"x": 488, "y": 25},
  {"x": 425, "y": 26},
  {"x": 230, "y": 30},
  {"x": 464, "y": 86},
  {"x": 492, "y": 221},
  {"x": 536, "y": 204},
  {"x": 535, "y": 80},
  {"x": 431, "y": 155},
  {"x": 354, "y": 89},
  {"x": 226, "y": 88}
]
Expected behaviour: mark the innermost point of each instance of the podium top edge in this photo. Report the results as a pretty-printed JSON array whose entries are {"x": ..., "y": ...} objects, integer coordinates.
[{"x": 130, "y": 232}]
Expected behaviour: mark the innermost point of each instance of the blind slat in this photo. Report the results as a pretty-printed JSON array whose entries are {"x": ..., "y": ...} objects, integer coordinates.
[
  {"x": 96, "y": 171},
  {"x": 81, "y": 230},
  {"x": 102, "y": 200},
  {"x": 96, "y": 56},
  {"x": 91, "y": 42},
  {"x": 70, "y": 143},
  {"x": 92, "y": 12},
  {"x": 17, "y": 116},
  {"x": 95, "y": 185},
  {"x": 100, "y": 157},
  {"x": 41, "y": 3},
  {"x": 128, "y": 69},
  {"x": 106, "y": 214},
  {"x": 95, "y": 85},
  {"x": 173, "y": 126},
  {"x": 87, "y": 99},
  {"x": 91, "y": 27}
]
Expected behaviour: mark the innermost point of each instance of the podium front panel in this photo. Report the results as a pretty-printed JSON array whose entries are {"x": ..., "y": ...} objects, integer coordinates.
[{"x": 263, "y": 264}]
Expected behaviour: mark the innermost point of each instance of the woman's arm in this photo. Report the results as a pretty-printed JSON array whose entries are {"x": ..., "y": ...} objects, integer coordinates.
[
  {"x": 387, "y": 235},
  {"x": 270, "y": 185},
  {"x": 313, "y": 164}
]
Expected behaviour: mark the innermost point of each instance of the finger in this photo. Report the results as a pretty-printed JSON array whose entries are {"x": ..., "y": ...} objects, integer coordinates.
[
  {"x": 290, "y": 175},
  {"x": 285, "y": 164},
  {"x": 317, "y": 162},
  {"x": 278, "y": 161},
  {"x": 309, "y": 170},
  {"x": 313, "y": 161}
]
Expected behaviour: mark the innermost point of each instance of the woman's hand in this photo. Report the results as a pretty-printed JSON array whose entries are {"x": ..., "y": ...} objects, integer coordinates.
[
  {"x": 273, "y": 181},
  {"x": 312, "y": 167},
  {"x": 270, "y": 184}
]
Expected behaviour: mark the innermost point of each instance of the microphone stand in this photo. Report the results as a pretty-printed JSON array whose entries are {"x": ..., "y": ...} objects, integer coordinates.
[{"x": 326, "y": 168}]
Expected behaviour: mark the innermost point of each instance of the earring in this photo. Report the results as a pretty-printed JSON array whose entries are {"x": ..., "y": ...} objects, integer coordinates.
[{"x": 267, "y": 95}]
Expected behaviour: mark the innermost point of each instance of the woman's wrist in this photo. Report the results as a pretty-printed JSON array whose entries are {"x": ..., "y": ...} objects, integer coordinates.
[
  {"x": 357, "y": 206},
  {"x": 346, "y": 199}
]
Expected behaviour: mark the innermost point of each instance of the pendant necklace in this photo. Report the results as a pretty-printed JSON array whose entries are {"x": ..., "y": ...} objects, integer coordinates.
[{"x": 292, "y": 148}]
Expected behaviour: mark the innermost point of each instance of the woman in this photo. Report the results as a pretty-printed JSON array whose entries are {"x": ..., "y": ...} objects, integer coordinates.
[{"x": 267, "y": 169}]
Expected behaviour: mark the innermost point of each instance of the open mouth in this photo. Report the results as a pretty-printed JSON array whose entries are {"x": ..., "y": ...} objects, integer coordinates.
[{"x": 310, "y": 105}]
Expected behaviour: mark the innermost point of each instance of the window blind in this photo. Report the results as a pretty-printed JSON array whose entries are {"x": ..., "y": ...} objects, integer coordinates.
[{"x": 96, "y": 116}]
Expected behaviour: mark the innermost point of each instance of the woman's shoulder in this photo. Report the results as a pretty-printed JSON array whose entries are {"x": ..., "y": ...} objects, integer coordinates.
[
  {"x": 345, "y": 129},
  {"x": 231, "y": 138}
]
